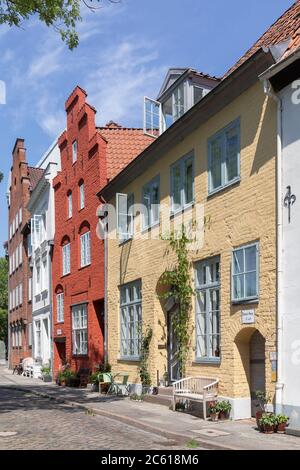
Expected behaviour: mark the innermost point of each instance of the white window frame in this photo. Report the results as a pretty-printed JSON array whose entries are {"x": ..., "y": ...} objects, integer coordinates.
[
  {"x": 85, "y": 249},
  {"x": 29, "y": 289},
  {"x": 70, "y": 205},
  {"x": 181, "y": 163},
  {"x": 210, "y": 286},
  {"x": 66, "y": 259},
  {"x": 74, "y": 150},
  {"x": 244, "y": 273},
  {"x": 81, "y": 196},
  {"x": 20, "y": 294},
  {"x": 60, "y": 307},
  {"x": 221, "y": 137},
  {"x": 150, "y": 116},
  {"x": 80, "y": 330},
  {"x": 131, "y": 309},
  {"x": 20, "y": 253},
  {"x": 125, "y": 216},
  {"x": 38, "y": 338},
  {"x": 179, "y": 101},
  {"x": 37, "y": 230},
  {"x": 30, "y": 334},
  {"x": 20, "y": 215},
  {"x": 148, "y": 206}
]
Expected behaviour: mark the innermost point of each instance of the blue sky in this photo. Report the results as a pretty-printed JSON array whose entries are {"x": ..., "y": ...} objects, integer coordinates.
[{"x": 125, "y": 50}]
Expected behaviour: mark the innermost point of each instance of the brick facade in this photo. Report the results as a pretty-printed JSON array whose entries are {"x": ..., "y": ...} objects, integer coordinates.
[{"x": 22, "y": 180}]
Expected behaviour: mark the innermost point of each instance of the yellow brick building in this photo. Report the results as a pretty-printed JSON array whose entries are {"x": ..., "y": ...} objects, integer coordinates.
[{"x": 233, "y": 337}]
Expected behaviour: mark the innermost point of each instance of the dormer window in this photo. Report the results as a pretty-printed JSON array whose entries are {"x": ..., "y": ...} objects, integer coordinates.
[{"x": 182, "y": 89}]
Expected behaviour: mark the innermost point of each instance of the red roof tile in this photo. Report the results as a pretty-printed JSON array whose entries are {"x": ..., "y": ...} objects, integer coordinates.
[
  {"x": 35, "y": 175},
  {"x": 123, "y": 145},
  {"x": 286, "y": 27}
]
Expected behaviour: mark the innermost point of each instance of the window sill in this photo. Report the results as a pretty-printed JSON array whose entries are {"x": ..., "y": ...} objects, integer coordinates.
[
  {"x": 245, "y": 301},
  {"x": 181, "y": 210},
  {"x": 85, "y": 266},
  {"x": 122, "y": 242},
  {"x": 150, "y": 227},
  {"x": 129, "y": 359},
  {"x": 80, "y": 355},
  {"x": 234, "y": 182},
  {"x": 213, "y": 361},
  {"x": 60, "y": 322},
  {"x": 65, "y": 275}
]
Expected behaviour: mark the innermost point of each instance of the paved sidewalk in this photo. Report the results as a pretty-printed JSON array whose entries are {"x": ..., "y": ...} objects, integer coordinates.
[{"x": 157, "y": 418}]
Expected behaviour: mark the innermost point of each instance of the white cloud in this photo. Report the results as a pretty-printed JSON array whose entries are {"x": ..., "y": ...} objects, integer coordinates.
[{"x": 46, "y": 63}]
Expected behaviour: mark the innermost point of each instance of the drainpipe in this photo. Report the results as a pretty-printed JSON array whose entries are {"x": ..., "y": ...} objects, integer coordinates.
[
  {"x": 279, "y": 333},
  {"x": 101, "y": 215}
]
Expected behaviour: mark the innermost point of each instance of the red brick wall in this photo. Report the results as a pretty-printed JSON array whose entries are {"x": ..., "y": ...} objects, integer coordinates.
[
  {"x": 19, "y": 197},
  {"x": 82, "y": 284}
]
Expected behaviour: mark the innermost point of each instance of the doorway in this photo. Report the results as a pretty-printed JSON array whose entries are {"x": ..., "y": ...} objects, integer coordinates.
[
  {"x": 257, "y": 368},
  {"x": 172, "y": 344}
]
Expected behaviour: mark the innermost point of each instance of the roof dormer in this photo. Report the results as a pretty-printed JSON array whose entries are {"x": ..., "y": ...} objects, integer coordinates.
[{"x": 181, "y": 89}]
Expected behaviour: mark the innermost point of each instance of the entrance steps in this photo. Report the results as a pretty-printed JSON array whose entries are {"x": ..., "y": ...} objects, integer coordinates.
[{"x": 164, "y": 397}]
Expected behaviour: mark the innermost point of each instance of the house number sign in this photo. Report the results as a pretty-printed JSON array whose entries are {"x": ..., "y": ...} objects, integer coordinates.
[
  {"x": 58, "y": 332},
  {"x": 248, "y": 317}
]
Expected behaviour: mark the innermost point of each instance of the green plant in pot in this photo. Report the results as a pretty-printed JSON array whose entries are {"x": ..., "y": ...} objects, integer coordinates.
[
  {"x": 213, "y": 410},
  {"x": 46, "y": 374},
  {"x": 94, "y": 380},
  {"x": 224, "y": 408},
  {"x": 281, "y": 423},
  {"x": 267, "y": 423},
  {"x": 263, "y": 400}
]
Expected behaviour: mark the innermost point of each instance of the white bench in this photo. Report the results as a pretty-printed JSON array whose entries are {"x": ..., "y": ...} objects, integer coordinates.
[{"x": 201, "y": 389}]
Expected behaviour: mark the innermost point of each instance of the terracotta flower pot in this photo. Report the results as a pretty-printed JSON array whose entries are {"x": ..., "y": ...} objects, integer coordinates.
[
  {"x": 258, "y": 416},
  {"x": 214, "y": 416},
  {"x": 223, "y": 415},
  {"x": 268, "y": 429},
  {"x": 281, "y": 428}
]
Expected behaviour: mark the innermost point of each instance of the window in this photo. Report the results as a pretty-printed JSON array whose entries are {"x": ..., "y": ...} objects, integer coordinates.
[
  {"x": 13, "y": 337},
  {"x": 37, "y": 230},
  {"x": 81, "y": 196},
  {"x": 182, "y": 183},
  {"x": 44, "y": 276},
  {"x": 19, "y": 333},
  {"x": 152, "y": 117},
  {"x": 17, "y": 257},
  {"x": 60, "y": 307},
  {"x": 198, "y": 93},
  {"x": 20, "y": 215},
  {"x": 30, "y": 334},
  {"x": 178, "y": 102},
  {"x": 29, "y": 245},
  {"x": 131, "y": 319},
  {"x": 20, "y": 294},
  {"x": 10, "y": 231},
  {"x": 208, "y": 310},
  {"x": 20, "y": 253},
  {"x": 10, "y": 265},
  {"x": 74, "y": 151},
  {"x": 17, "y": 220},
  {"x": 150, "y": 201},
  {"x": 125, "y": 216},
  {"x": 79, "y": 329},
  {"x": 30, "y": 289},
  {"x": 85, "y": 249},
  {"x": 38, "y": 278},
  {"x": 224, "y": 157},
  {"x": 66, "y": 252},
  {"x": 38, "y": 339},
  {"x": 13, "y": 226},
  {"x": 245, "y": 273},
  {"x": 70, "y": 205}
]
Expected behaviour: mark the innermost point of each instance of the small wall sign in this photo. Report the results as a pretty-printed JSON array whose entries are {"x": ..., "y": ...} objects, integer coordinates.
[
  {"x": 248, "y": 317},
  {"x": 58, "y": 332}
]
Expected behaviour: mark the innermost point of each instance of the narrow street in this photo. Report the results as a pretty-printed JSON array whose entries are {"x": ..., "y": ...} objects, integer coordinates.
[{"x": 42, "y": 424}]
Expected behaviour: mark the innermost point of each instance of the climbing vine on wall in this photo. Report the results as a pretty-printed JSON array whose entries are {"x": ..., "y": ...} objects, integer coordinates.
[
  {"x": 180, "y": 282},
  {"x": 145, "y": 349}
]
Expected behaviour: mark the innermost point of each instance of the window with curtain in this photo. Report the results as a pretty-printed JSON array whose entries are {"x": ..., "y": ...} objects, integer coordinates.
[
  {"x": 224, "y": 157},
  {"x": 208, "y": 310},
  {"x": 131, "y": 319},
  {"x": 60, "y": 307},
  {"x": 245, "y": 262},
  {"x": 79, "y": 330},
  {"x": 66, "y": 258}
]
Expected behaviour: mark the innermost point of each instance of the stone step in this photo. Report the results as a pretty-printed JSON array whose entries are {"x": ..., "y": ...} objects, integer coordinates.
[
  {"x": 165, "y": 391},
  {"x": 165, "y": 400}
]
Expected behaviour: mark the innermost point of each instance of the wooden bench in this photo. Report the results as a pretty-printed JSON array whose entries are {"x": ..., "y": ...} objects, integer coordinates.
[{"x": 202, "y": 389}]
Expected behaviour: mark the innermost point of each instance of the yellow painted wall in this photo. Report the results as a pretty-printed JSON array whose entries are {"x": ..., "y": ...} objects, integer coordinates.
[{"x": 242, "y": 213}]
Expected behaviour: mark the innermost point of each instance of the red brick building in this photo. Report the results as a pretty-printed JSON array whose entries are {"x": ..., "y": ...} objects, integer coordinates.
[
  {"x": 90, "y": 156},
  {"x": 22, "y": 181}
]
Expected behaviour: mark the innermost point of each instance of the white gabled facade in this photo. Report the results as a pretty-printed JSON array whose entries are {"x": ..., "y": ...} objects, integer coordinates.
[
  {"x": 41, "y": 207},
  {"x": 284, "y": 79}
]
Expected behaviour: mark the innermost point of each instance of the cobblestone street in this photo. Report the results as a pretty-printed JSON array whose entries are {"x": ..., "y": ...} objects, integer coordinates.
[{"x": 42, "y": 424}]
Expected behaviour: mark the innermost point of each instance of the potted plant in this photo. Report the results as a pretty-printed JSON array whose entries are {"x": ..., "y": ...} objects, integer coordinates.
[
  {"x": 46, "y": 374},
  {"x": 136, "y": 397},
  {"x": 267, "y": 423},
  {"x": 94, "y": 380},
  {"x": 281, "y": 423},
  {"x": 263, "y": 399},
  {"x": 180, "y": 406},
  {"x": 224, "y": 408},
  {"x": 60, "y": 380},
  {"x": 213, "y": 410}
]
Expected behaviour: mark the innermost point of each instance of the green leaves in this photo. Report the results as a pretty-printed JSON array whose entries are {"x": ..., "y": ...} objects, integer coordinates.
[
  {"x": 179, "y": 280},
  {"x": 62, "y": 15}
]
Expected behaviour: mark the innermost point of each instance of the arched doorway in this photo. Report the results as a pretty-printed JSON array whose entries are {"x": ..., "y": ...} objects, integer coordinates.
[{"x": 250, "y": 365}]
